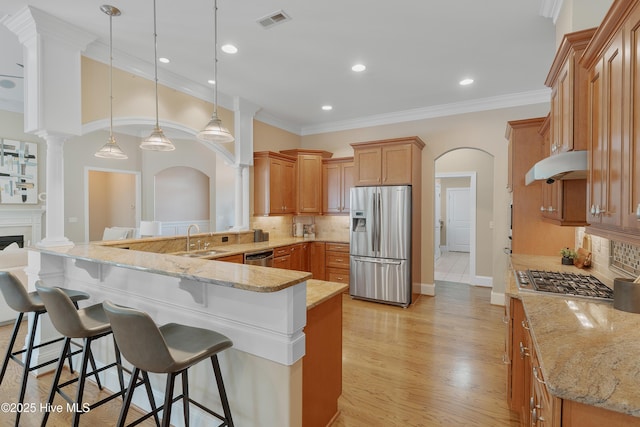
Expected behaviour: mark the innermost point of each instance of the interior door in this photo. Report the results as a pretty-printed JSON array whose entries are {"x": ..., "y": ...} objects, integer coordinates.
[
  {"x": 458, "y": 220},
  {"x": 437, "y": 226}
]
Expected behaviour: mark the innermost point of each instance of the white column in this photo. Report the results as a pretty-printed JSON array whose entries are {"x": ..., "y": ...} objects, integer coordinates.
[
  {"x": 53, "y": 91},
  {"x": 244, "y": 112},
  {"x": 54, "y": 220}
]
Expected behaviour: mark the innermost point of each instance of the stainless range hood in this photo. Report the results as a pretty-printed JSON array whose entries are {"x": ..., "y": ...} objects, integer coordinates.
[{"x": 567, "y": 165}]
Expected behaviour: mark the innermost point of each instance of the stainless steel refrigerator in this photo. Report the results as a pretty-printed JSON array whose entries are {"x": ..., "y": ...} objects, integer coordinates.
[{"x": 380, "y": 244}]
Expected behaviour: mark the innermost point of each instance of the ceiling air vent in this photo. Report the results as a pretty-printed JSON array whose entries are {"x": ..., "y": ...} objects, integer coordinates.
[{"x": 273, "y": 19}]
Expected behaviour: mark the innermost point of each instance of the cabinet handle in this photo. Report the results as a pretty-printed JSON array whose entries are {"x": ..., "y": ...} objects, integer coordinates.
[
  {"x": 524, "y": 351},
  {"x": 339, "y": 259},
  {"x": 542, "y": 209},
  {"x": 535, "y": 417},
  {"x": 535, "y": 375},
  {"x": 525, "y": 324},
  {"x": 551, "y": 209}
]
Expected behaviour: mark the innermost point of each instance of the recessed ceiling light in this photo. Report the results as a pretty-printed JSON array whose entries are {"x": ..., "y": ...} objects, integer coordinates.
[
  {"x": 358, "y": 68},
  {"x": 327, "y": 107},
  {"x": 211, "y": 82},
  {"x": 465, "y": 82},
  {"x": 164, "y": 60},
  {"x": 229, "y": 48}
]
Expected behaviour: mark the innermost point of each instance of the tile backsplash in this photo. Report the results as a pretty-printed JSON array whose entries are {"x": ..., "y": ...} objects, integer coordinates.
[
  {"x": 328, "y": 227},
  {"x": 611, "y": 259}
]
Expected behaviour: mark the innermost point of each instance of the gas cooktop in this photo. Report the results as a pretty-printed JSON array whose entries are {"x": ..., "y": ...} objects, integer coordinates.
[{"x": 555, "y": 282}]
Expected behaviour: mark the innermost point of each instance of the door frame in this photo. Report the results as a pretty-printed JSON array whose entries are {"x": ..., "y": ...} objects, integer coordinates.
[
  {"x": 472, "y": 208},
  {"x": 138, "y": 195}
]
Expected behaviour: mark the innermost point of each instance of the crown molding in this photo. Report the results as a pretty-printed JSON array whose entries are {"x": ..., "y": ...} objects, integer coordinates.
[
  {"x": 492, "y": 103},
  {"x": 550, "y": 9}
]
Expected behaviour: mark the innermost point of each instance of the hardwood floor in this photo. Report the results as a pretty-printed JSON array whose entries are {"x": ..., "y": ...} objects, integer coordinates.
[
  {"x": 437, "y": 363},
  {"x": 38, "y": 391}
]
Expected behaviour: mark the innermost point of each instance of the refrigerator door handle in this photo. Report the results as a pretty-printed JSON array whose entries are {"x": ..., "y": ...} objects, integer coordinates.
[
  {"x": 376, "y": 261},
  {"x": 379, "y": 225},
  {"x": 374, "y": 224}
]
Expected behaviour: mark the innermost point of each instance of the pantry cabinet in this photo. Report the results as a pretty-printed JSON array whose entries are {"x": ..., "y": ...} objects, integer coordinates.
[
  {"x": 274, "y": 183},
  {"x": 308, "y": 176},
  {"x": 337, "y": 180}
]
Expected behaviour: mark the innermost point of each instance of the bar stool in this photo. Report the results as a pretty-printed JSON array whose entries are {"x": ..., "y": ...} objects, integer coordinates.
[
  {"x": 23, "y": 302},
  {"x": 90, "y": 324},
  {"x": 169, "y": 349}
]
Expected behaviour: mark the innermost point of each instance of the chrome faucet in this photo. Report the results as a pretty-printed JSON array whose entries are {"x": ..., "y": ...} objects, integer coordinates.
[{"x": 189, "y": 235}]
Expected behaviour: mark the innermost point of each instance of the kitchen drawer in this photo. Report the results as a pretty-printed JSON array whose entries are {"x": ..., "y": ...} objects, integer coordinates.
[
  {"x": 278, "y": 252},
  {"x": 238, "y": 259},
  {"x": 339, "y": 275},
  {"x": 338, "y": 247},
  {"x": 337, "y": 260},
  {"x": 282, "y": 262}
]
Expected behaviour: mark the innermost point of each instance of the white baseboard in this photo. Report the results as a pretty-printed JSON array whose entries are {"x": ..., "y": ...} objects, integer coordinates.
[
  {"x": 427, "y": 289},
  {"x": 483, "y": 281},
  {"x": 497, "y": 298}
]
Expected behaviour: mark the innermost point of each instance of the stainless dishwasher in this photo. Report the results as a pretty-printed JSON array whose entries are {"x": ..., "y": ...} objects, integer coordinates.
[{"x": 262, "y": 258}]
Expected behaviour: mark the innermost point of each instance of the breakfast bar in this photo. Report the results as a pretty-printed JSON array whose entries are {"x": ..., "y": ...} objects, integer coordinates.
[{"x": 263, "y": 311}]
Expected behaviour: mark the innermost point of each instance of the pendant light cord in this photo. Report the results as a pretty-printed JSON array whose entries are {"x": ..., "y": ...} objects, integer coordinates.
[
  {"x": 155, "y": 58},
  {"x": 110, "y": 77},
  {"x": 215, "y": 57}
]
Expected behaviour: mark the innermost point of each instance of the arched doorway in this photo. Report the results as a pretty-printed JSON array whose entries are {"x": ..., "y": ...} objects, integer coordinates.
[{"x": 464, "y": 177}]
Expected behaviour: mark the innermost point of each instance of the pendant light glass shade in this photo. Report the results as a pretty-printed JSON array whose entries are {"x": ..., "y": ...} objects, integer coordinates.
[
  {"x": 214, "y": 131},
  {"x": 110, "y": 150},
  {"x": 157, "y": 141}
]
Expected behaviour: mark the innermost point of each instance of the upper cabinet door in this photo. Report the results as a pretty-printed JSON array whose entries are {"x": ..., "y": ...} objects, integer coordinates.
[
  {"x": 395, "y": 161},
  {"x": 368, "y": 165}
]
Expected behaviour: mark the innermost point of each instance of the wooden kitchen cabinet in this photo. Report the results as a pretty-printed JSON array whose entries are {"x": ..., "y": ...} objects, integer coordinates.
[
  {"x": 308, "y": 175},
  {"x": 337, "y": 262},
  {"x": 531, "y": 234},
  {"x": 237, "y": 259},
  {"x": 337, "y": 180},
  {"x": 317, "y": 263},
  {"x": 282, "y": 257},
  {"x": 606, "y": 85},
  {"x": 568, "y": 81},
  {"x": 387, "y": 162},
  {"x": 274, "y": 183},
  {"x": 563, "y": 201},
  {"x": 299, "y": 257}
]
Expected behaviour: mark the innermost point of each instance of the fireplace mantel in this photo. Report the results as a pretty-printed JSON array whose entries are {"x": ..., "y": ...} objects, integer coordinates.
[{"x": 25, "y": 221}]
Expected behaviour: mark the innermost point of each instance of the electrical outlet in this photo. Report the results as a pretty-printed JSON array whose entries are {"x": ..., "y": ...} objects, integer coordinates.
[{"x": 225, "y": 238}]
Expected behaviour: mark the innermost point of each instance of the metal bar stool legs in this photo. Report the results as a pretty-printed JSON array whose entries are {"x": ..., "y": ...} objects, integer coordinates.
[
  {"x": 17, "y": 297},
  {"x": 170, "y": 349}
]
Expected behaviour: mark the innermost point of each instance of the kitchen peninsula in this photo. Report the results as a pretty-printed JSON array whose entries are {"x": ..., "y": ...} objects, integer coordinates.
[
  {"x": 572, "y": 361},
  {"x": 265, "y": 311}
]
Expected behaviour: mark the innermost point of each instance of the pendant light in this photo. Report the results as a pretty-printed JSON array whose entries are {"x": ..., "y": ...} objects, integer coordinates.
[
  {"x": 156, "y": 141},
  {"x": 214, "y": 131},
  {"x": 110, "y": 150}
]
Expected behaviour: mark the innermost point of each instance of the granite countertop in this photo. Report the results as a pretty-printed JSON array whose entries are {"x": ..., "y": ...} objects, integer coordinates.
[
  {"x": 319, "y": 291},
  {"x": 239, "y": 276},
  {"x": 241, "y": 248},
  {"x": 588, "y": 350}
]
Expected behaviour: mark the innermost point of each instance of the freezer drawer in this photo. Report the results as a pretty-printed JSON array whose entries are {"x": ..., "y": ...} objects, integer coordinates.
[{"x": 384, "y": 280}]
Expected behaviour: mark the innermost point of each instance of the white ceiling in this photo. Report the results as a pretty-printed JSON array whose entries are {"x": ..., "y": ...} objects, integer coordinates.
[{"x": 415, "y": 51}]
